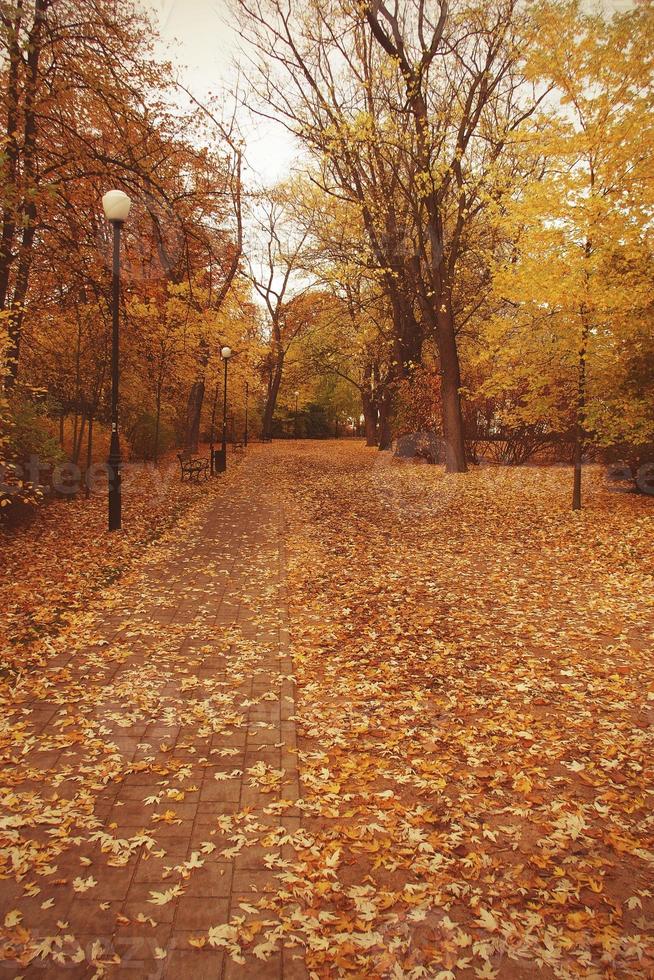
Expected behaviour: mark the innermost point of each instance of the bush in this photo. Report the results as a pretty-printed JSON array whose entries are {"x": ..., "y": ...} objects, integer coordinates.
[
  {"x": 425, "y": 446},
  {"x": 30, "y": 433},
  {"x": 631, "y": 465},
  {"x": 417, "y": 402},
  {"x": 316, "y": 423},
  {"x": 142, "y": 436},
  {"x": 25, "y": 434}
]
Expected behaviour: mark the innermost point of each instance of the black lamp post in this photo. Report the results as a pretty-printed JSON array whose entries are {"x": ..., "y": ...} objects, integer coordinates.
[
  {"x": 212, "y": 454},
  {"x": 245, "y": 434},
  {"x": 221, "y": 460},
  {"x": 295, "y": 425},
  {"x": 116, "y": 206}
]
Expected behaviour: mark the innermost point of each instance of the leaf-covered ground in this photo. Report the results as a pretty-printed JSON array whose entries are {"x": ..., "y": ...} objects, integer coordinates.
[
  {"x": 474, "y": 706},
  {"x": 476, "y": 711},
  {"x": 53, "y": 565}
]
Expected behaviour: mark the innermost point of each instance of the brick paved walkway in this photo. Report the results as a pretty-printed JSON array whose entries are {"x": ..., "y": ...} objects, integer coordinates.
[{"x": 142, "y": 782}]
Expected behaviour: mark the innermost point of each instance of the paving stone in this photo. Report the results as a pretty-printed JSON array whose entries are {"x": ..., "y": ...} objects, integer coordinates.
[
  {"x": 186, "y": 963},
  {"x": 211, "y": 881},
  {"x": 217, "y": 598},
  {"x": 250, "y": 882},
  {"x": 263, "y": 970},
  {"x": 196, "y": 913}
]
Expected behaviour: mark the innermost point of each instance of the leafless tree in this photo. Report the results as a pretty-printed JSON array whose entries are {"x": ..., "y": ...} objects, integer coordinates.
[
  {"x": 275, "y": 271},
  {"x": 408, "y": 107}
]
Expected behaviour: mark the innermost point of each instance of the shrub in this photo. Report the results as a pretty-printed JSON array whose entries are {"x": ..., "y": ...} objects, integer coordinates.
[
  {"x": 417, "y": 402},
  {"x": 316, "y": 423},
  {"x": 142, "y": 436},
  {"x": 30, "y": 433},
  {"x": 24, "y": 436}
]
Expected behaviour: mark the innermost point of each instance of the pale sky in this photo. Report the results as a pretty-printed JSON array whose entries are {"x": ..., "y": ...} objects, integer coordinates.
[{"x": 198, "y": 37}]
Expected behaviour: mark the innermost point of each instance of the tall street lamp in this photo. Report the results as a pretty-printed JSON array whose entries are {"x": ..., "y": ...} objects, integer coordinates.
[
  {"x": 116, "y": 206},
  {"x": 295, "y": 426},
  {"x": 245, "y": 434},
  {"x": 225, "y": 353},
  {"x": 212, "y": 454}
]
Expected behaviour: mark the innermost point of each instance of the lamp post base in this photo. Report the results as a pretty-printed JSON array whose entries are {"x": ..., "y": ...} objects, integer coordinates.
[
  {"x": 115, "y": 497},
  {"x": 219, "y": 460}
]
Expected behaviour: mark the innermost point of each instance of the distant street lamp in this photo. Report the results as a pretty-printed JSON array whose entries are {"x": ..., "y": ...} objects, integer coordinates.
[
  {"x": 212, "y": 454},
  {"x": 245, "y": 434},
  {"x": 296, "y": 398},
  {"x": 116, "y": 206},
  {"x": 225, "y": 353}
]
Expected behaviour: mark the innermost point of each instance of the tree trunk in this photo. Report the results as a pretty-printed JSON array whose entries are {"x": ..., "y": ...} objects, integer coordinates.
[
  {"x": 455, "y": 452},
  {"x": 77, "y": 446},
  {"x": 11, "y": 158},
  {"x": 29, "y": 212},
  {"x": 89, "y": 455},
  {"x": 369, "y": 418},
  {"x": 15, "y": 322},
  {"x": 75, "y": 429},
  {"x": 196, "y": 399},
  {"x": 384, "y": 429},
  {"x": 157, "y": 425},
  {"x": 77, "y": 434},
  {"x": 273, "y": 391},
  {"x": 407, "y": 333},
  {"x": 443, "y": 328},
  {"x": 576, "y": 480},
  {"x": 580, "y": 416},
  {"x": 453, "y": 432}
]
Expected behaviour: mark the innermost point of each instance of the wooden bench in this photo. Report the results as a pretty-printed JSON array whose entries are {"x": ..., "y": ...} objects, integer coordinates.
[
  {"x": 238, "y": 445},
  {"x": 193, "y": 466}
]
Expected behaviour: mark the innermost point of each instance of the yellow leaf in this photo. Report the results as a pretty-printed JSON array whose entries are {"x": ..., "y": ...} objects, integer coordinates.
[{"x": 523, "y": 784}]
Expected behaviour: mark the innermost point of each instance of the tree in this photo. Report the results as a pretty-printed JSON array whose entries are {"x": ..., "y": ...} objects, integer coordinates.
[
  {"x": 275, "y": 275},
  {"x": 410, "y": 112},
  {"x": 161, "y": 325},
  {"x": 72, "y": 79},
  {"x": 576, "y": 283},
  {"x": 224, "y": 263},
  {"x": 352, "y": 338},
  {"x": 86, "y": 107}
]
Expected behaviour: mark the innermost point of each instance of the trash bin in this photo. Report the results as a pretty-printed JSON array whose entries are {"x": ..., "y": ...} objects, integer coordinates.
[{"x": 219, "y": 461}]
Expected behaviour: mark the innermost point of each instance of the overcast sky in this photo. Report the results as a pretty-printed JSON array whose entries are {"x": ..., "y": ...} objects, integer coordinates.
[{"x": 198, "y": 37}]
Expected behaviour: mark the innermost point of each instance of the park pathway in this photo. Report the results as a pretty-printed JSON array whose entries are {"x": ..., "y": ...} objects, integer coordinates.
[
  {"x": 150, "y": 774},
  {"x": 473, "y": 719}
]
